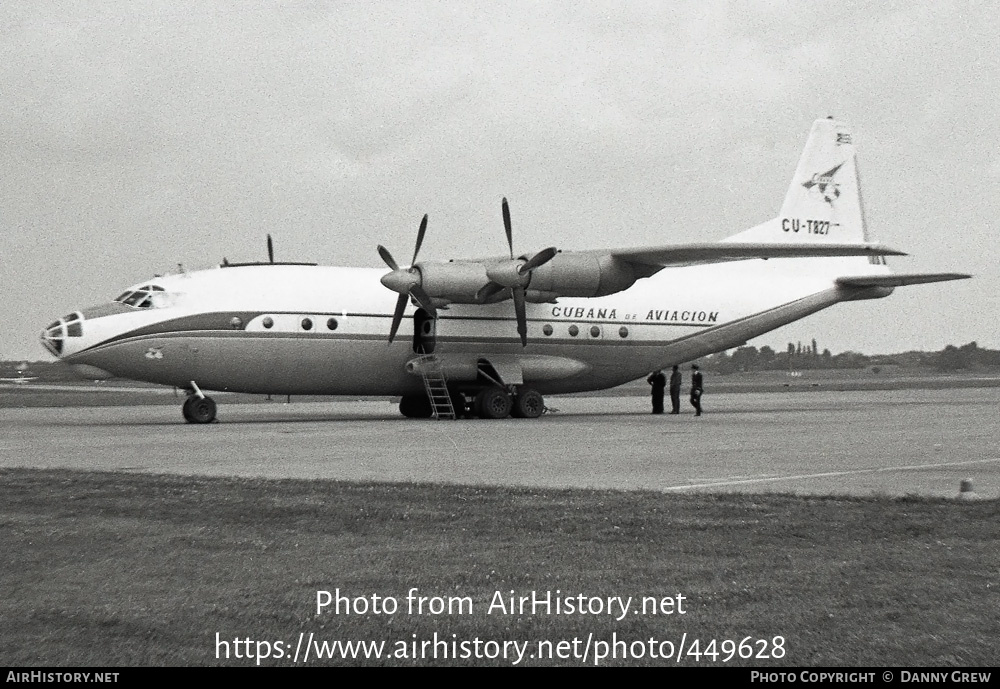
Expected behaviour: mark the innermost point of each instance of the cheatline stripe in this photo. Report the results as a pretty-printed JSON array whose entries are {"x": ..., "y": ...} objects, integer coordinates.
[
  {"x": 361, "y": 337},
  {"x": 214, "y": 324}
]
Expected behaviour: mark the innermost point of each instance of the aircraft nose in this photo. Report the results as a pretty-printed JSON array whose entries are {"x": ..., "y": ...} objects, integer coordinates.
[{"x": 54, "y": 336}]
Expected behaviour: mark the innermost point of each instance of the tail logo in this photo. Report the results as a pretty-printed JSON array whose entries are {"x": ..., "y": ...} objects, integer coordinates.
[{"x": 824, "y": 185}]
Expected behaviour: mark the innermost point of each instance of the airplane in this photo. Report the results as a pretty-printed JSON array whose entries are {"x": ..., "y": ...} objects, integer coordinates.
[
  {"x": 21, "y": 378},
  {"x": 489, "y": 337}
]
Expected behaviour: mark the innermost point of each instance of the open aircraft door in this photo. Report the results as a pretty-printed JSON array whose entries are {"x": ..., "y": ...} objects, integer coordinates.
[{"x": 424, "y": 332}]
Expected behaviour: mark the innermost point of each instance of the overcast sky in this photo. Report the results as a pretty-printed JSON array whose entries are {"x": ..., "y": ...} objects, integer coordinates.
[{"x": 138, "y": 135}]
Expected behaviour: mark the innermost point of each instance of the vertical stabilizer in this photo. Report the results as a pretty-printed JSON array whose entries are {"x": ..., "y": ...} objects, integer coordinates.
[{"x": 823, "y": 202}]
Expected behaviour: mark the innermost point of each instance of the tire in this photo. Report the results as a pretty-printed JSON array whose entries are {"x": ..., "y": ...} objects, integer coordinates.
[
  {"x": 493, "y": 403},
  {"x": 528, "y": 404},
  {"x": 199, "y": 410},
  {"x": 415, "y": 407},
  {"x": 461, "y": 405}
]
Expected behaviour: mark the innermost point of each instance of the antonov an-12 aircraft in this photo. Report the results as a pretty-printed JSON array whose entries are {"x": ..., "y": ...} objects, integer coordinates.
[
  {"x": 489, "y": 337},
  {"x": 22, "y": 377}
]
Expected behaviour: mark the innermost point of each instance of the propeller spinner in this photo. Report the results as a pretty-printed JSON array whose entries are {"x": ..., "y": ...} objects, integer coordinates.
[{"x": 406, "y": 281}]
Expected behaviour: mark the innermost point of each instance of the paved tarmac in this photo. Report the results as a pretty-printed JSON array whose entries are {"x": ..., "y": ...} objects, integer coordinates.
[{"x": 897, "y": 442}]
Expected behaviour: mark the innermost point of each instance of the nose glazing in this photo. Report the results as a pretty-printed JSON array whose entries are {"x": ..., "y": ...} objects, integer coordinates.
[{"x": 54, "y": 337}]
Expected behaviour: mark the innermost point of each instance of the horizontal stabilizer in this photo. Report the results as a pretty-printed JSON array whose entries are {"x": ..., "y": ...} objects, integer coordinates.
[
  {"x": 718, "y": 252},
  {"x": 900, "y": 280}
]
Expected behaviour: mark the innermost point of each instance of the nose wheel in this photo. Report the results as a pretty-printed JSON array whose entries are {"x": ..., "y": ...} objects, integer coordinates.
[{"x": 199, "y": 409}]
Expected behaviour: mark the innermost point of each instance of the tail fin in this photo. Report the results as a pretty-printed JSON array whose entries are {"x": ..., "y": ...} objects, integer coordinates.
[{"x": 823, "y": 203}]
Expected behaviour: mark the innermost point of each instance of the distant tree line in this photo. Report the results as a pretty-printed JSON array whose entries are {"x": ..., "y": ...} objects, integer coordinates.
[{"x": 797, "y": 357}]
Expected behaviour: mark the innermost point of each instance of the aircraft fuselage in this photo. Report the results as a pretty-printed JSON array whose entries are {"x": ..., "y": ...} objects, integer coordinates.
[{"x": 286, "y": 329}]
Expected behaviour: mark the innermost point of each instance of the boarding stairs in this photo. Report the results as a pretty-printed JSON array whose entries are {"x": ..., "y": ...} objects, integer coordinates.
[{"x": 436, "y": 386}]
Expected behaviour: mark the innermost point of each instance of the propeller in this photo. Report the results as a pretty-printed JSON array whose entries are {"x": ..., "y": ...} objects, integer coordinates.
[
  {"x": 514, "y": 275},
  {"x": 406, "y": 281}
]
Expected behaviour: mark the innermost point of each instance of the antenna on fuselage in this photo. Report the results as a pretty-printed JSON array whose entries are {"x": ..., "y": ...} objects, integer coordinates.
[{"x": 270, "y": 249}]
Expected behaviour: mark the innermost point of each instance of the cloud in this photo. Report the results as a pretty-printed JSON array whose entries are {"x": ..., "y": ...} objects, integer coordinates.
[{"x": 135, "y": 138}]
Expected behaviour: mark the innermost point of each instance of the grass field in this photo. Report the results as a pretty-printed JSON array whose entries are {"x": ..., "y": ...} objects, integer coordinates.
[{"x": 138, "y": 570}]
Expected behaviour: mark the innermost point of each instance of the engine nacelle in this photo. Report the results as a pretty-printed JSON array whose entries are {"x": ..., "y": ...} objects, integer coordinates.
[
  {"x": 507, "y": 273},
  {"x": 457, "y": 282},
  {"x": 581, "y": 275},
  {"x": 566, "y": 275}
]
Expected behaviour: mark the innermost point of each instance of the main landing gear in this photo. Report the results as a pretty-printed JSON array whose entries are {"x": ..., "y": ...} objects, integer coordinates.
[
  {"x": 198, "y": 408},
  {"x": 498, "y": 403},
  {"x": 528, "y": 404},
  {"x": 492, "y": 402}
]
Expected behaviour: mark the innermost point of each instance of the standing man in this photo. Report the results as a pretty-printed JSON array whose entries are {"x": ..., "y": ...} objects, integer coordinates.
[
  {"x": 659, "y": 383},
  {"x": 697, "y": 387},
  {"x": 675, "y": 390}
]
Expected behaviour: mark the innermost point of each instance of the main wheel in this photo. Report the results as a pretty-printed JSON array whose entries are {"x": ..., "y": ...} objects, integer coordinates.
[
  {"x": 415, "y": 407},
  {"x": 528, "y": 404},
  {"x": 463, "y": 408},
  {"x": 199, "y": 410},
  {"x": 493, "y": 403}
]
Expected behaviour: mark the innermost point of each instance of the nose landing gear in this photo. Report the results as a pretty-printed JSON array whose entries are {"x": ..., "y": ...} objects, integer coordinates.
[{"x": 198, "y": 408}]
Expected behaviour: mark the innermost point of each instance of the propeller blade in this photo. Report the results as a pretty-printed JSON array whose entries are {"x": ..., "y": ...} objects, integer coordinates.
[
  {"x": 506, "y": 226},
  {"x": 406, "y": 282},
  {"x": 270, "y": 249},
  {"x": 541, "y": 258},
  {"x": 519, "y": 311},
  {"x": 487, "y": 291},
  {"x": 397, "y": 317},
  {"x": 420, "y": 239},
  {"x": 424, "y": 299},
  {"x": 387, "y": 257}
]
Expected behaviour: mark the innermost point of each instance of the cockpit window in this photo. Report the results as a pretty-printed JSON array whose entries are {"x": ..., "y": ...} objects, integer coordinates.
[{"x": 141, "y": 298}]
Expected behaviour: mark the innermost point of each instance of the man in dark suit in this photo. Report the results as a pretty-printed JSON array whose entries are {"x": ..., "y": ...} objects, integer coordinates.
[
  {"x": 675, "y": 390},
  {"x": 659, "y": 383},
  {"x": 697, "y": 387}
]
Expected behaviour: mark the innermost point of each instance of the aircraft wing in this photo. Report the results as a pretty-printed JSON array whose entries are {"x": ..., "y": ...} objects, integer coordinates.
[
  {"x": 900, "y": 280},
  {"x": 676, "y": 255}
]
